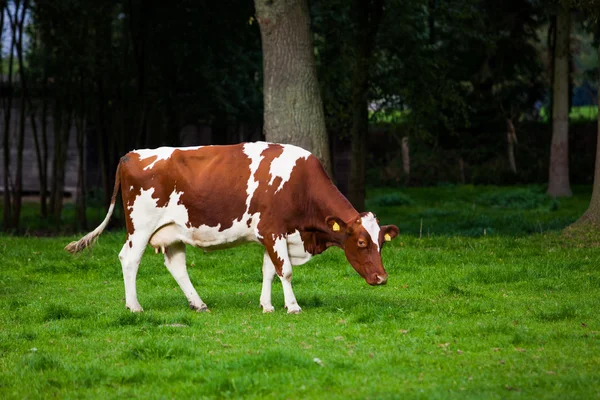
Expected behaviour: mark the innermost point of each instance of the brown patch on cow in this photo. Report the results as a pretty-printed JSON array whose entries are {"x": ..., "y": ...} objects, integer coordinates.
[
  {"x": 211, "y": 198},
  {"x": 130, "y": 244}
]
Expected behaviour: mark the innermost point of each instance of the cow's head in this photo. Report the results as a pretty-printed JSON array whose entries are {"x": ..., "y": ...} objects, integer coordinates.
[{"x": 362, "y": 240}]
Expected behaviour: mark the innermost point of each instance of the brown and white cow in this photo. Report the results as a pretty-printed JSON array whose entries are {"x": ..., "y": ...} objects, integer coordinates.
[{"x": 219, "y": 196}]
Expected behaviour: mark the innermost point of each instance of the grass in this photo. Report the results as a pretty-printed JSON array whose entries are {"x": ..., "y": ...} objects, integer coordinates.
[
  {"x": 477, "y": 210},
  {"x": 497, "y": 316}
]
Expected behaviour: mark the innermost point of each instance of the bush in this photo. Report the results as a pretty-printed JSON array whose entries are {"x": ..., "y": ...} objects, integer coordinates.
[
  {"x": 393, "y": 199},
  {"x": 520, "y": 199}
]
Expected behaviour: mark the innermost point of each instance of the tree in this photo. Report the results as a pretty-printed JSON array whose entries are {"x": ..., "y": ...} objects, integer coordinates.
[
  {"x": 293, "y": 109},
  {"x": 590, "y": 220},
  {"x": 558, "y": 182}
]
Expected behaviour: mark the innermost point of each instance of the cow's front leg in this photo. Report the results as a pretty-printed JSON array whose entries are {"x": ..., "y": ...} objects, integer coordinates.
[
  {"x": 268, "y": 270},
  {"x": 277, "y": 249}
]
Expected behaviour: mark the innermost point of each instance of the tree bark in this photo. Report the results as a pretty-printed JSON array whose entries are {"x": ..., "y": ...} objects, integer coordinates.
[
  {"x": 368, "y": 16},
  {"x": 7, "y": 211},
  {"x": 558, "y": 182},
  {"x": 18, "y": 189},
  {"x": 406, "y": 159},
  {"x": 511, "y": 140},
  {"x": 592, "y": 214},
  {"x": 293, "y": 109}
]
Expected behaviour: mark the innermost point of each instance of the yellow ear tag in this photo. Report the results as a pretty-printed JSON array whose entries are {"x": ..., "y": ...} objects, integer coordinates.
[
  {"x": 387, "y": 237},
  {"x": 335, "y": 227}
]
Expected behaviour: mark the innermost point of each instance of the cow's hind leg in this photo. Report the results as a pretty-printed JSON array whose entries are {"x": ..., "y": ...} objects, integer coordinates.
[
  {"x": 268, "y": 270},
  {"x": 175, "y": 262},
  {"x": 130, "y": 256}
]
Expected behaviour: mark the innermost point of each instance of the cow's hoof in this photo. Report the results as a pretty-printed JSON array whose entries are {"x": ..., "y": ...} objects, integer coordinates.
[
  {"x": 267, "y": 309},
  {"x": 294, "y": 309},
  {"x": 136, "y": 308},
  {"x": 201, "y": 308}
]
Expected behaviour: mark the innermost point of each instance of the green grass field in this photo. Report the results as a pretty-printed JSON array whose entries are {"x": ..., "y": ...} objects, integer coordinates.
[{"x": 512, "y": 314}]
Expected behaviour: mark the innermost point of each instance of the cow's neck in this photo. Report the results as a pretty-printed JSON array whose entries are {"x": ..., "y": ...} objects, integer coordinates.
[{"x": 327, "y": 201}]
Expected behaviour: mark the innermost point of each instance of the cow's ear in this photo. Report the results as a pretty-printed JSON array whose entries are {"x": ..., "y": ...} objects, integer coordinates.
[
  {"x": 336, "y": 224},
  {"x": 388, "y": 232}
]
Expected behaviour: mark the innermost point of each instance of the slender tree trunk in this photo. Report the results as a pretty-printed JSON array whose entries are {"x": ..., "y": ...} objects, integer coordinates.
[
  {"x": 44, "y": 123},
  {"x": 368, "y": 16},
  {"x": 558, "y": 182},
  {"x": 7, "y": 210},
  {"x": 406, "y": 159},
  {"x": 62, "y": 128},
  {"x": 292, "y": 99},
  {"x": 18, "y": 192},
  {"x": 511, "y": 140}
]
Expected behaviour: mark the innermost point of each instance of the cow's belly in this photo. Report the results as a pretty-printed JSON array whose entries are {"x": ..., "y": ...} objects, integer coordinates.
[{"x": 204, "y": 236}]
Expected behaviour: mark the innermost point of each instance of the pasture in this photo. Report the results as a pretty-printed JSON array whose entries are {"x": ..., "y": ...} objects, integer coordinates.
[{"x": 485, "y": 300}]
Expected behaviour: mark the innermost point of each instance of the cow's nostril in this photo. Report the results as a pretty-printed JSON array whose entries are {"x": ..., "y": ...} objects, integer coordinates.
[{"x": 381, "y": 280}]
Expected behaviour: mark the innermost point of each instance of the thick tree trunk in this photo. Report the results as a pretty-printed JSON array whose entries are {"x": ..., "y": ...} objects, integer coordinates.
[
  {"x": 367, "y": 17},
  {"x": 292, "y": 98},
  {"x": 558, "y": 182},
  {"x": 592, "y": 214}
]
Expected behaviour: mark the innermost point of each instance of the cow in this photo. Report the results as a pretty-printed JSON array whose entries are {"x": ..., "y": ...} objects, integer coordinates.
[{"x": 216, "y": 197}]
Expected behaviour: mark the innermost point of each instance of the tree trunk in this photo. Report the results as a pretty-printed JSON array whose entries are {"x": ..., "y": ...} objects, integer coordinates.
[
  {"x": 367, "y": 16},
  {"x": 44, "y": 123},
  {"x": 7, "y": 211},
  {"x": 18, "y": 189},
  {"x": 81, "y": 187},
  {"x": 511, "y": 140},
  {"x": 592, "y": 214},
  {"x": 62, "y": 129},
  {"x": 292, "y": 99},
  {"x": 406, "y": 159},
  {"x": 558, "y": 182}
]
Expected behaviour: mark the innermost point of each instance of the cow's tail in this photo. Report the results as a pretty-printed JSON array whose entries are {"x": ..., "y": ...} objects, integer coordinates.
[{"x": 90, "y": 239}]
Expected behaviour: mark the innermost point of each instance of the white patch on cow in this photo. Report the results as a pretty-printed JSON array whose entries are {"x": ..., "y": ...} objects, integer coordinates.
[
  {"x": 283, "y": 165},
  {"x": 280, "y": 248},
  {"x": 161, "y": 153},
  {"x": 253, "y": 151},
  {"x": 131, "y": 187},
  {"x": 370, "y": 223},
  {"x": 295, "y": 246},
  {"x": 147, "y": 217}
]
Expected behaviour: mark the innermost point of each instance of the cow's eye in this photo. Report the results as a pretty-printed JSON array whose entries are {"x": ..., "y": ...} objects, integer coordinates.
[{"x": 362, "y": 243}]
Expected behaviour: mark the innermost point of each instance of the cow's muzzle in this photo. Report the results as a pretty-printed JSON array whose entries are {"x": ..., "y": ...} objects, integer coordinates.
[
  {"x": 382, "y": 279},
  {"x": 376, "y": 280}
]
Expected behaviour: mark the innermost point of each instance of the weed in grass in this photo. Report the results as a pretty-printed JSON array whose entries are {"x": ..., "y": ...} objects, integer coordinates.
[
  {"x": 57, "y": 311},
  {"x": 38, "y": 361}
]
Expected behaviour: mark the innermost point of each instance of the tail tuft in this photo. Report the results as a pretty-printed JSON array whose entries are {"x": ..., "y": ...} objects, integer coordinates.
[
  {"x": 90, "y": 239},
  {"x": 86, "y": 241}
]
